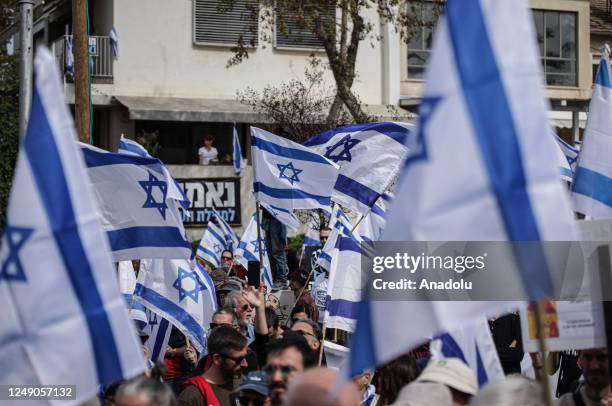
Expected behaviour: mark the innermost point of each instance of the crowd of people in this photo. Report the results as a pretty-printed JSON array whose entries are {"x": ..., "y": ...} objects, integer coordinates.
[{"x": 255, "y": 356}]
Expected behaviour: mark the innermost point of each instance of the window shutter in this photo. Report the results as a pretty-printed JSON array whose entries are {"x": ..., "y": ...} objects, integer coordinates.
[
  {"x": 294, "y": 37},
  {"x": 211, "y": 26}
]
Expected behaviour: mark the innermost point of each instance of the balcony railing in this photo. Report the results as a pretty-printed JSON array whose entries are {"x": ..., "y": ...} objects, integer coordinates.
[{"x": 100, "y": 54}]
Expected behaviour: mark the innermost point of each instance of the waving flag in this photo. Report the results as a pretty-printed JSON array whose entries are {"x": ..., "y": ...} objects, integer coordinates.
[
  {"x": 571, "y": 153},
  {"x": 248, "y": 250},
  {"x": 593, "y": 180},
  {"x": 373, "y": 224},
  {"x": 237, "y": 155},
  {"x": 140, "y": 219},
  {"x": 127, "y": 284},
  {"x": 160, "y": 329},
  {"x": 369, "y": 156},
  {"x": 114, "y": 38},
  {"x": 231, "y": 240},
  {"x": 565, "y": 168},
  {"x": 283, "y": 215},
  {"x": 480, "y": 169},
  {"x": 474, "y": 345},
  {"x": 340, "y": 225},
  {"x": 311, "y": 238},
  {"x": 63, "y": 318},
  {"x": 289, "y": 175},
  {"x": 69, "y": 58},
  {"x": 212, "y": 245},
  {"x": 131, "y": 147},
  {"x": 178, "y": 291}
]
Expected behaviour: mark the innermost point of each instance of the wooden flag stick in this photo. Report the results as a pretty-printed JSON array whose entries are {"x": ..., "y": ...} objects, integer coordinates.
[
  {"x": 543, "y": 377},
  {"x": 322, "y": 343},
  {"x": 261, "y": 268}
]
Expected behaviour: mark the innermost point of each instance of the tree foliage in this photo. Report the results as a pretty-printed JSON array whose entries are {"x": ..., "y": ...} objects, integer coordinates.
[{"x": 9, "y": 130}]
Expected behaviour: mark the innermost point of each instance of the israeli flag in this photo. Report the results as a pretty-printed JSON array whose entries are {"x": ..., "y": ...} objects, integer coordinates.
[
  {"x": 237, "y": 155},
  {"x": 212, "y": 245},
  {"x": 158, "y": 339},
  {"x": 69, "y": 56},
  {"x": 283, "y": 215},
  {"x": 340, "y": 225},
  {"x": 140, "y": 219},
  {"x": 114, "y": 39},
  {"x": 373, "y": 224},
  {"x": 231, "y": 239},
  {"x": 369, "y": 156},
  {"x": 131, "y": 147},
  {"x": 570, "y": 152},
  {"x": 593, "y": 180},
  {"x": 64, "y": 320},
  {"x": 481, "y": 169},
  {"x": 178, "y": 291},
  {"x": 289, "y": 175},
  {"x": 565, "y": 168},
  {"x": 127, "y": 284},
  {"x": 311, "y": 238},
  {"x": 248, "y": 250},
  {"x": 344, "y": 286},
  {"x": 474, "y": 345}
]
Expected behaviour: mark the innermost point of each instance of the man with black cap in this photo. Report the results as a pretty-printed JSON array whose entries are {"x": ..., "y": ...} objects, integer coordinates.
[
  {"x": 253, "y": 391},
  {"x": 298, "y": 282}
]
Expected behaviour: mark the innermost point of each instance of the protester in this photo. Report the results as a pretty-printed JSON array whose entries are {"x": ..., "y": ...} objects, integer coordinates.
[
  {"x": 230, "y": 267},
  {"x": 311, "y": 332},
  {"x": 143, "y": 391},
  {"x": 316, "y": 387},
  {"x": 298, "y": 280},
  {"x": 366, "y": 389},
  {"x": 393, "y": 376},
  {"x": 228, "y": 350},
  {"x": 455, "y": 374},
  {"x": 253, "y": 391},
  {"x": 566, "y": 362},
  {"x": 273, "y": 321},
  {"x": 298, "y": 313},
  {"x": 506, "y": 332},
  {"x": 424, "y": 394},
  {"x": 230, "y": 284},
  {"x": 596, "y": 388},
  {"x": 276, "y": 242},
  {"x": 207, "y": 152},
  {"x": 286, "y": 357},
  {"x": 512, "y": 391},
  {"x": 178, "y": 368}
]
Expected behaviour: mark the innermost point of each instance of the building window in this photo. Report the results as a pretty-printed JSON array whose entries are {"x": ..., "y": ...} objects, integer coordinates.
[
  {"x": 214, "y": 24},
  {"x": 291, "y": 34},
  {"x": 556, "y": 33},
  {"x": 424, "y": 14}
]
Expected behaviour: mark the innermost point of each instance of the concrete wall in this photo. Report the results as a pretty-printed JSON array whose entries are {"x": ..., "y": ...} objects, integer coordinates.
[{"x": 158, "y": 58}]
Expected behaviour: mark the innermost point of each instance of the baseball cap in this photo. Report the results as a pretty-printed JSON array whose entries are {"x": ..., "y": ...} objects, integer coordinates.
[
  {"x": 451, "y": 372},
  {"x": 230, "y": 284},
  {"x": 255, "y": 381}
]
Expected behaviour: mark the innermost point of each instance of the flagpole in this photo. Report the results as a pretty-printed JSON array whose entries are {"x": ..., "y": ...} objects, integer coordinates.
[
  {"x": 322, "y": 343},
  {"x": 543, "y": 376},
  {"x": 299, "y": 295},
  {"x": 261, "y": 275}
]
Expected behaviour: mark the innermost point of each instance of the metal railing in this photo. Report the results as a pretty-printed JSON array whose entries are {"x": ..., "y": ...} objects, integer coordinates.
[{"x": 101, "y": 56}]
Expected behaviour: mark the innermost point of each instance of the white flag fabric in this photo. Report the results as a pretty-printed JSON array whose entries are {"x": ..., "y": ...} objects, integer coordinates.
[
  {"x": 312, "y": 238},
  {"x": 140, "y": 219},
  {"x": 369, "y": 156},
  {"x": 114, "y": 38},
  {"x": 474, "y": 345},
  {"x": 565, "y": 168},
  {"x": 127, "y": 285},
  {"x": 64, "y": 320},
  {"x": 373, "y": 224},
  {"x": 283, "y": 215},
  {"x": 160, "y": 329},
  {"x": 289, "y": 175},
  {"x": 131, "y": 147},
  {"x": 238, "y": 161},
  {"x": 480, "y": 170},
  {"x": 248, "y": 250},
  {"x": 180, "y": 292},
  {"x": 340, "y": 225},
  {"x": 231, "y": 239},
  {"x": 593, "y": 181},
  {"x": 212, "y": 245},
  {"x": 571, "y": 155}
]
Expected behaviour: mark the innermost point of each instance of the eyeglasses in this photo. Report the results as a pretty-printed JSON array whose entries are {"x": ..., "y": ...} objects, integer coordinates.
[
  {"x": 247, "y": 307},
  {"x": 598, "y": 357},
  {"x": 248, "y": 400},
  {"x": 304, "y": 333},
  {"x": 237, "y": 360},
  {"x": 285, "y": 370}
]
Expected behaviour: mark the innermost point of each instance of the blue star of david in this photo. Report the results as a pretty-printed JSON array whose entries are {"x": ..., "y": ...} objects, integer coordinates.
[
  {"x": 14, "y": 238},
  {"x": 148, "y": 186},
  {"x": 256, "y": 247},
  {"x": 289, "y": 166},
  {"x": 152, "y": 318},
  {"x": 192, "y": 293},
  {"x": 347, "y": 143},
  {"x": 217, "y": 248}
]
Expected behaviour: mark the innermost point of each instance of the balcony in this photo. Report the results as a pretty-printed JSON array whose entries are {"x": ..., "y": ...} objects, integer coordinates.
[{"x": 100, "y": 53}]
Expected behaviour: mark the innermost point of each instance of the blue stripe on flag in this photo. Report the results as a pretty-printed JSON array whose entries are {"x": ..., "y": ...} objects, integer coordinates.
[
  {"x": 290, "y": 194},
  {"x": 356, "y": 190},
  {"x": 217, "y": 236},
  {"x": 348, "y": 244},
  {"x": 602, "y": 78},
  {"x": 342, "y": 308},
  {"x": 378, "y": 210},
  {"x": 325, "y": 255},
  {"x": 363, "y": 351},
  {"x": 94, "y": 159},
  {"x": 159, "y": 339},
  {"x": 146, "y": 236},
  {"x": 594, "y": 185},
  {"x": 170, "y": 308},
  {"x": 565, "y": 172},
  {"x": 391, "y": 130},
  {"x": 128, "y": 146},
  {"x": 481, "y": 372},
  {"x": 46, "y": 164},
  {"x": 490, "y": 113},
  {"x": 209, "y": 252},
  {"x": 287, "y": 152}
]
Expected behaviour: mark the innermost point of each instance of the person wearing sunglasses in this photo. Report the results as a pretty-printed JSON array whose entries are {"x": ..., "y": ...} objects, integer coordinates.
[
  {"x": 253, "y": 391},
  {"x": 227, "y": 349},
  {"x": 310, "y": 330},
  {"x": 287, "y": 357},
  {"x": 596, "y": 388}
]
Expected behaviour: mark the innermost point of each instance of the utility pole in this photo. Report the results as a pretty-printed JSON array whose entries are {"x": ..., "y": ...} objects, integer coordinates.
[
  {"x": 80, "y": 46},
  {"x": 26, "y": 61}
]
